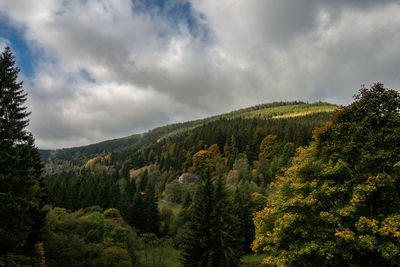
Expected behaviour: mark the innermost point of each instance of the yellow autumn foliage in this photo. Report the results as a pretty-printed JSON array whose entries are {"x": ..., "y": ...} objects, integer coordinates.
[{"x": 339, "y": 204}]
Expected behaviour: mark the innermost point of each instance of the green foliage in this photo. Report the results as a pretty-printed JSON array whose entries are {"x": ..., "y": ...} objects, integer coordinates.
[
  {"x": 339, "y": 203},
  {"x": 269, "y": 147},
  {"x": 166, "y": 219},
  {"x": 210, "y": 235},
  {"x": 252, "y": 260},
  {"x": 263, "y": 111},
  {"x": 156, "y": 252},
  {"x": 146, "y": 148},
  {"x": 112, "y": 213},
  {"x": 115, "y": 256},
  {"x": 242, "y": 209},
  {"x": 75, "y": 191},
  {"x": 174, "y": 191},
  {"x": 21, "y": 189},
  {"x": 196, "y": 239},
  {"x": 151, "y": 214},
  {"x": 88, "y": 239},
  {"x": 133, "y": 176},
  {"x": 287, "y": 111},
  {"x": 225, "y": 229},
  {"x": 258, "y": 202}
]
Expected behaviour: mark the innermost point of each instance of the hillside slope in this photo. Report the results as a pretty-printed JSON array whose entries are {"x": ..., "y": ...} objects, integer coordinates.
[
  {"x": 152, "y": 178},
  {"x": 275, "y": 110}
]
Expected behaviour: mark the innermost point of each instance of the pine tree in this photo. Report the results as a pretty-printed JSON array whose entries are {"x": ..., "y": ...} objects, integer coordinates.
[
  {"x": 211, "y": 236},
  {"x": 21, "y": 190},
  {"x": 242, "y": 209},
  {"x": 197, "y": 239},
  {"x": 135, "y": 210},
  {"x": 114, "y": 195},
  {"x": 127, "y": 197},
  {"x": 130, "y": 189},
  {"x": 226, "y": 241},
  {"x": 151, "y": 213},
  {"x": 183, "y": 215},
  {"x": 143, "y": 181}
]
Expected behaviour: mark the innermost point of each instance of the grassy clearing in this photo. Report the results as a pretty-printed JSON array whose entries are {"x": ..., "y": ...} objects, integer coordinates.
[
  {"x": 252, "y": 260},
  {"x": 175, "y": 208},
  {"x": 166, "y": 256},
  {"x": 275, "y": 112},
  {"x": 299, "y": 114},
  {"x": 290, "y": 111}
]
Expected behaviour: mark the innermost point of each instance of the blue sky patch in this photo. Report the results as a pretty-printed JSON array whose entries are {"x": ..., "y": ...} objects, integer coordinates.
[
  {"x": 177, "y": 12},
  {"x": 24, "y": 56}
]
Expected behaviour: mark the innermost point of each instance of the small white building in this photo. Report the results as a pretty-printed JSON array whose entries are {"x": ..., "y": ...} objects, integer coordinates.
[{"x": 188, "y": 177}]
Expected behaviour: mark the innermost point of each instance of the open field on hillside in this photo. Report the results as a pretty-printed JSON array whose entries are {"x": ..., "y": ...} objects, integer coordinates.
[{"x": 278, "y": 112}]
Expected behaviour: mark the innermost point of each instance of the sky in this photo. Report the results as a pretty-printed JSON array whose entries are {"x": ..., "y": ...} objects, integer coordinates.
[{"x": 101, "y": 69}]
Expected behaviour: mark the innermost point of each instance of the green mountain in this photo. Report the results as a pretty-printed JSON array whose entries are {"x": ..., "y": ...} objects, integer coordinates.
[
  {"x": 275, "y": 110},
  {"x": 152, "y": 178}
]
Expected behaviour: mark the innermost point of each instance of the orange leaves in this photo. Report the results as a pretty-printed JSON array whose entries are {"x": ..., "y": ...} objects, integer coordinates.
[
  {"x": 214, "y": 151},
  {"x": 391, "y": 226},
  {"x": 206, "y": 157},
  {"x": 201, "y": 159},
  {"x": 367, "y": 225},
  {"x": 346, "y": 234},
  {"x": 40, "y": 250},
  {"x": 367, "y": 241},
  {"x": 389, "y": 250}
]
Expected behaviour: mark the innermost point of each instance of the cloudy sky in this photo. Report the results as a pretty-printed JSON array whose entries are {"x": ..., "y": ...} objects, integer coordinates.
[{"x": 101, "y": 69}]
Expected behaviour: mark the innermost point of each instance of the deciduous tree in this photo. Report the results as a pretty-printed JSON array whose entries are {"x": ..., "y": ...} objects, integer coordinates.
[{"x": 339, "y": 204}]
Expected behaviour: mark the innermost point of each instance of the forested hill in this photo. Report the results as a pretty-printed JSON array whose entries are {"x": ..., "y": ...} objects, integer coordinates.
[
  {"x": 275, "y": 110},
  {"x": 152, "y": 178},
  {"x": 249, "y": 180},
  {"x": 299, "y": 184}
]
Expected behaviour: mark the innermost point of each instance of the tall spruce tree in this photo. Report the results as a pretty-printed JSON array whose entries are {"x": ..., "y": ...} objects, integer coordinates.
[
  {"x": 127, "y": 197},
  {"x": 151, "y": 214},
  {"x": 21, "y": 190},
  {"x": 197, "y": 237},
  {"x": 135, "y": 210},
  {"x": 212, "y": 234},
  {"x": 225, "y": 235},
  {"x": 242, "y": 209}
]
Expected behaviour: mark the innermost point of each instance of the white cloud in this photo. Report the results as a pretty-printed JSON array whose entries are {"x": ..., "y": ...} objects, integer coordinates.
[
  {"x": 104, "y": 70},
  {"x": 308, "y": 50},
  {"x": 3, "y": 43}
]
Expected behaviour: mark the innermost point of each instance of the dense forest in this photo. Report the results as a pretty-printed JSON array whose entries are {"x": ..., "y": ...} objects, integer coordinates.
[{"x": 278, "y": 184}]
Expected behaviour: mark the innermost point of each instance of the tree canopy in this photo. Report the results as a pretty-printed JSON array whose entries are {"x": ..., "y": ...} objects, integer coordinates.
[
  {"x": 21, "y": 192},
  {"x": 212, "y": 230},
  {"x": 339, "y": 204}
]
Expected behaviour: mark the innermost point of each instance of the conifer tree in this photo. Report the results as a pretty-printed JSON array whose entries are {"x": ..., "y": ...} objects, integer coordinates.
[
  {"x": 21, "y": 190},
  {"x": 114, "y": 195},
  {"x": 130, "y": 189},
  {"x": 242, "y": 209},
  {"x": 127, "y": 197},
  {"x": 211, "y": 236},
  {"x": 134, "y": 210},
  {"x": 225, "y": 236},
  {"x": 197, "y": 238},
  {"x": 151, "y": 214},
  {"x": 143, "y": 181}
]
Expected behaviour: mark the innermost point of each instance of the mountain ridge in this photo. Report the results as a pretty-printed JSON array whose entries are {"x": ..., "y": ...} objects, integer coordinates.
[{"x": 267, "y": 110}]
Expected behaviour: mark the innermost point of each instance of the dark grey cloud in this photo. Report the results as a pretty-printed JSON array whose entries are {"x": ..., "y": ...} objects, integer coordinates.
[{"x": 107, "y": 69}]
